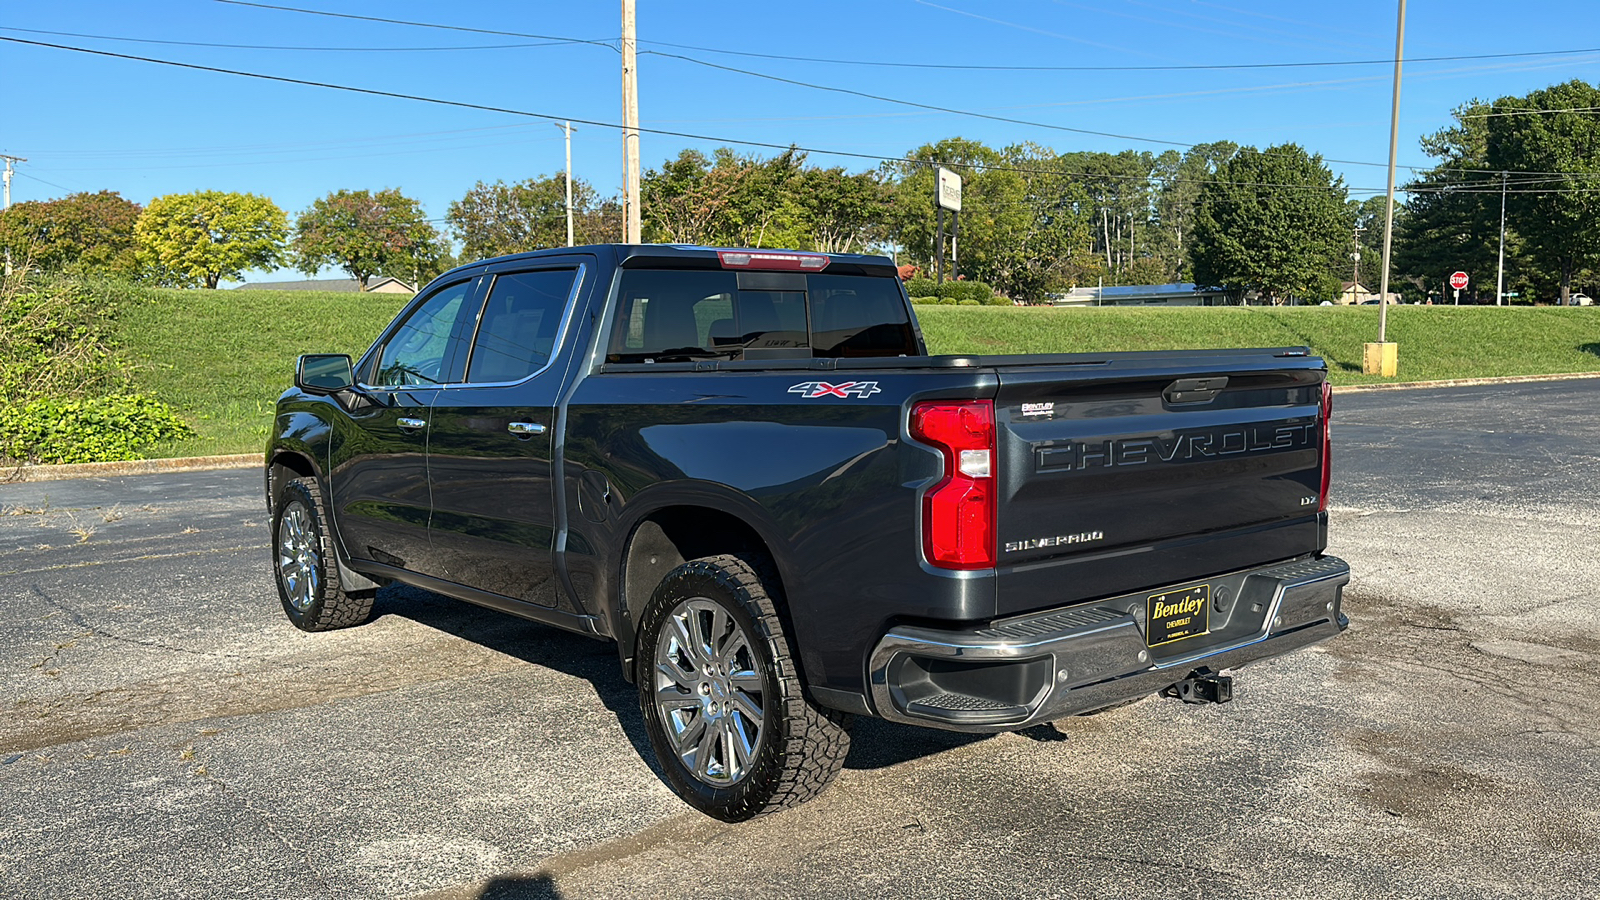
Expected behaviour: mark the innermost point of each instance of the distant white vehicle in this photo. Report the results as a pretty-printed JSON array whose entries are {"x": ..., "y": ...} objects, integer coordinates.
[{"x": 1580, "y": 300}]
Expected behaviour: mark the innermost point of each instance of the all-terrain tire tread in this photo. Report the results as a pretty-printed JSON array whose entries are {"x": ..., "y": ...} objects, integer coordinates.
[
  {"x": 818, "y": 740},
  {"x": 336, "y": 607}
]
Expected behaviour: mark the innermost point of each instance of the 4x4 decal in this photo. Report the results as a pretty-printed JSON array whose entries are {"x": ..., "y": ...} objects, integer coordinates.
[{"x": 846, "y": 389}]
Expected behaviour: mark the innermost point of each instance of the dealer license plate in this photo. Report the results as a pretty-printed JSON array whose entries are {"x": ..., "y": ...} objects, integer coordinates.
[{"x": 1177, "y": 615}]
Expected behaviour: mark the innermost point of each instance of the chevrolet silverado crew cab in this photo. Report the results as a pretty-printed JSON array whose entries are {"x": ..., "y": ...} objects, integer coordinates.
[{"x": 743, "y": 467}]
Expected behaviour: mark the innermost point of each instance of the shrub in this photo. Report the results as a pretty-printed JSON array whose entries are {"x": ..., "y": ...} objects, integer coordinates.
[
  {"x": 922, "y": 287},
  {"x": 924, "y": 301},
  {"x": 68, "y": 392},
  {"x": 953, "y": 289},
  {"x": 947, "y": 301},
  {"x": 98, "y": 429},
  {"x": 968, "y": 303}
]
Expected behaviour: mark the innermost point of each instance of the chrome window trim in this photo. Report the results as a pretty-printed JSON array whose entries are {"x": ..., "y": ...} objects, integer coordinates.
[
  {"x": 375, "y": 352},
  {"x": 580, "y": 270}
]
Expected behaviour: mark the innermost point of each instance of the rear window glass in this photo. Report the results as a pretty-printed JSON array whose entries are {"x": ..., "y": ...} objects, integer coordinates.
[
  {"x": 517, "y": 333},
  {"x": 667, "y": 315}
]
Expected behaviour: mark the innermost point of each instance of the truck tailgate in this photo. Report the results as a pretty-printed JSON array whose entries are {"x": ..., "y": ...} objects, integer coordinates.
[{"x": 1156, "y": 475}]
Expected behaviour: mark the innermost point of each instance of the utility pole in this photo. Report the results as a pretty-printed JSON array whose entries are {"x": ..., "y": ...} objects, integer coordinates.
[
  {"x": 1356, "y": 256},
  {"x": 567, "y": 128},
  {"x": 630, "y": 127},
  {"x": 11, "y": 162},
  {"x": 1382, "y": 358},
  {"x": 1105, "y": 231},
  {"x": 1500, "y": 273}
]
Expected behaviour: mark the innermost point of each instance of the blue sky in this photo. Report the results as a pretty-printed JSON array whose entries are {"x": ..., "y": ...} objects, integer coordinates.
[{"x": 88, "y": 123}]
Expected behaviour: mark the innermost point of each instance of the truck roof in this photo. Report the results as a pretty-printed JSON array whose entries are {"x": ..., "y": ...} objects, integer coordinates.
[{"x": 694, "y": 256}]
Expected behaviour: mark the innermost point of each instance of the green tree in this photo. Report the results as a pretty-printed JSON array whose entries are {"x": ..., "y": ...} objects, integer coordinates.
[
  {"x": 844, "y": 213},
  {"x": 1273, "y": 221},
  {"x": 204, "y": 237},
  {"x": 1023, "y": 222},
  {"x": 730, "y": 200},
  {"x": 1550, "y": 141},
  {"x": 366, "y": 234},
  {"x": 497, "y": 219},
  {"x": 88, "y": 231},
  {"x": 1179, "y": 180},
  {"x": 1362, "y": 256},
  {"x": 1451, "y": 220},
  {"x": 1119, "y": 187}
]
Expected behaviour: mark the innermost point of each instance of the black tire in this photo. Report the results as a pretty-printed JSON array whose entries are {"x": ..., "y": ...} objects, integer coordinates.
[
  {"x": 798, "y": 748},
  {"x": 303, "y": 563}
]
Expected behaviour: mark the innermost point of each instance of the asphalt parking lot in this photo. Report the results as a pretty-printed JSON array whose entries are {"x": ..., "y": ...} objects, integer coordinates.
[{"x": 165, "y": 732}]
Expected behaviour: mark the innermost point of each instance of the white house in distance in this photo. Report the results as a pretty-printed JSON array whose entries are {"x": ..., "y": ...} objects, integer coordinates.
[{"x": 1353, "y": 293}]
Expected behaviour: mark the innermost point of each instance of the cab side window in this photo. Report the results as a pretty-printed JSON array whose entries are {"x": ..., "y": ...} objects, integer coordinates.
[
  {"x": 422, "y": 349},
  {"x": 518, "y": 330}
]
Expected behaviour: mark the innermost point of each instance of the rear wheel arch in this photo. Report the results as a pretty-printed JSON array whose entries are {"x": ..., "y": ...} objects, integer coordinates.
[{"x": 669, "y": 536}]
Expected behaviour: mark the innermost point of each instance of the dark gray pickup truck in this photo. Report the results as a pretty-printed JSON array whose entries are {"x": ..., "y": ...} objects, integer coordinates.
[{"x": 743, "y": 468}]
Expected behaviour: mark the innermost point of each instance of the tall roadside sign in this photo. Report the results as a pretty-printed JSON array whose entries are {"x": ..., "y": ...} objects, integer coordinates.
[{"x": 947, "y": 196}]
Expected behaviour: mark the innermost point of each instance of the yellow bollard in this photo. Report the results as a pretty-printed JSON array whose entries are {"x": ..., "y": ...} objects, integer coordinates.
[{"x": 1381, "y": 359}]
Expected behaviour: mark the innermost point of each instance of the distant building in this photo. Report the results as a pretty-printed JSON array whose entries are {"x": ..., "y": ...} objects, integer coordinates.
[
  {"x": 1185, "y": 294},
  {"x": 383, "y": 285},
  {"x": 1352, "y": 292}
]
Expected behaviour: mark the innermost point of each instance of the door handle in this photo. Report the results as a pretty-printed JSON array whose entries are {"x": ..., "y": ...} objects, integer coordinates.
[
  {"x": 525, "y": 429},
  {"x": 409, "y": 424}
]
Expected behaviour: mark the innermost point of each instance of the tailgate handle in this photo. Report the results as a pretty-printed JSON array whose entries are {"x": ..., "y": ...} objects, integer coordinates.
[{"x": 1195, "y": 390}]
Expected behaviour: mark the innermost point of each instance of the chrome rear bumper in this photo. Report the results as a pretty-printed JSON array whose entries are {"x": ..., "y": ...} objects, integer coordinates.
[{"x": 1016, "y": 672}]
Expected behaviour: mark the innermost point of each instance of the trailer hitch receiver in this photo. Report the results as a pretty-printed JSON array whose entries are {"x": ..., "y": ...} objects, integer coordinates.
[{"x": 1202, "y": 686}]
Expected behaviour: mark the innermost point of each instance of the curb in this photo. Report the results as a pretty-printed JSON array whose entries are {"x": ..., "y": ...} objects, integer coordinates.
[
  {"x": 130, "y": 467},
  {"x": 1462, "y": 382},
  {"x": 254, "y": 460}
]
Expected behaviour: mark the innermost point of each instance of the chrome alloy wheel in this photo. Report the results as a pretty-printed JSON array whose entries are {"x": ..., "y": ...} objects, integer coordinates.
[
  {"x": 299, "y": 565},
  {"x": 708, "y": 692}
]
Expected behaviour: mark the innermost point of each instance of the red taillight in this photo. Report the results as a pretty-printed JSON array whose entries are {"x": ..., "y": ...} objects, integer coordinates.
[
  {"x": 958, "y": 513},
  {"x": 784, "y": 262},
  {"x": 1327, "y": 444}
]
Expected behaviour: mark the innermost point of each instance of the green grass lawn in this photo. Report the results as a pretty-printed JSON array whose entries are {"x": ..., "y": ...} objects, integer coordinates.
[
  {"x": 1435, "y": 342},
  {"x": 222, "y": 357}
]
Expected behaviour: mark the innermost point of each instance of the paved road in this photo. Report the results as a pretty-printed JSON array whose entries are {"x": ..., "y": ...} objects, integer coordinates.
[{"x": 165, "y": 732}]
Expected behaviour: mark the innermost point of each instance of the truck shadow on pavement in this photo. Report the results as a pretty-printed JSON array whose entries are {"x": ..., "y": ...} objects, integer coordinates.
[{"x": 875, "y": 743}]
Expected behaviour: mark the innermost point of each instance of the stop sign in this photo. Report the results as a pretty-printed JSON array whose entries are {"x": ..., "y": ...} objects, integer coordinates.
[{"x": 1458, "y": 280}]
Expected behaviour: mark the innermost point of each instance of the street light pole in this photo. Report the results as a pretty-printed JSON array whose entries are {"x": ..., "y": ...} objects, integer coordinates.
[
  {"x": 1381, "y": 358},
  {"x": 1500, "y": 273}
]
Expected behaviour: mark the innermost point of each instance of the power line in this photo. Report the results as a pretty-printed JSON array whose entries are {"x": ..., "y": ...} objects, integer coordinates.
[
  {"x": 899, "y": 160},
  {"x": 916, "y": 105},
  {"x": 1173, "y": 68},
  {"x": 134, "y": 40},
  {"x": 334, "y": 15},
  {"x": 791, "y": 81},
  {"x": 921, "y": 65},
  {"x": 32, "y": 177}
]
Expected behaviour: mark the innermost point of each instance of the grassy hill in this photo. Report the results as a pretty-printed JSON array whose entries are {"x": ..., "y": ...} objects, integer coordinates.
[
  {"x": 1436, "y": 342},
  {"x": 222, "y": 357}
]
